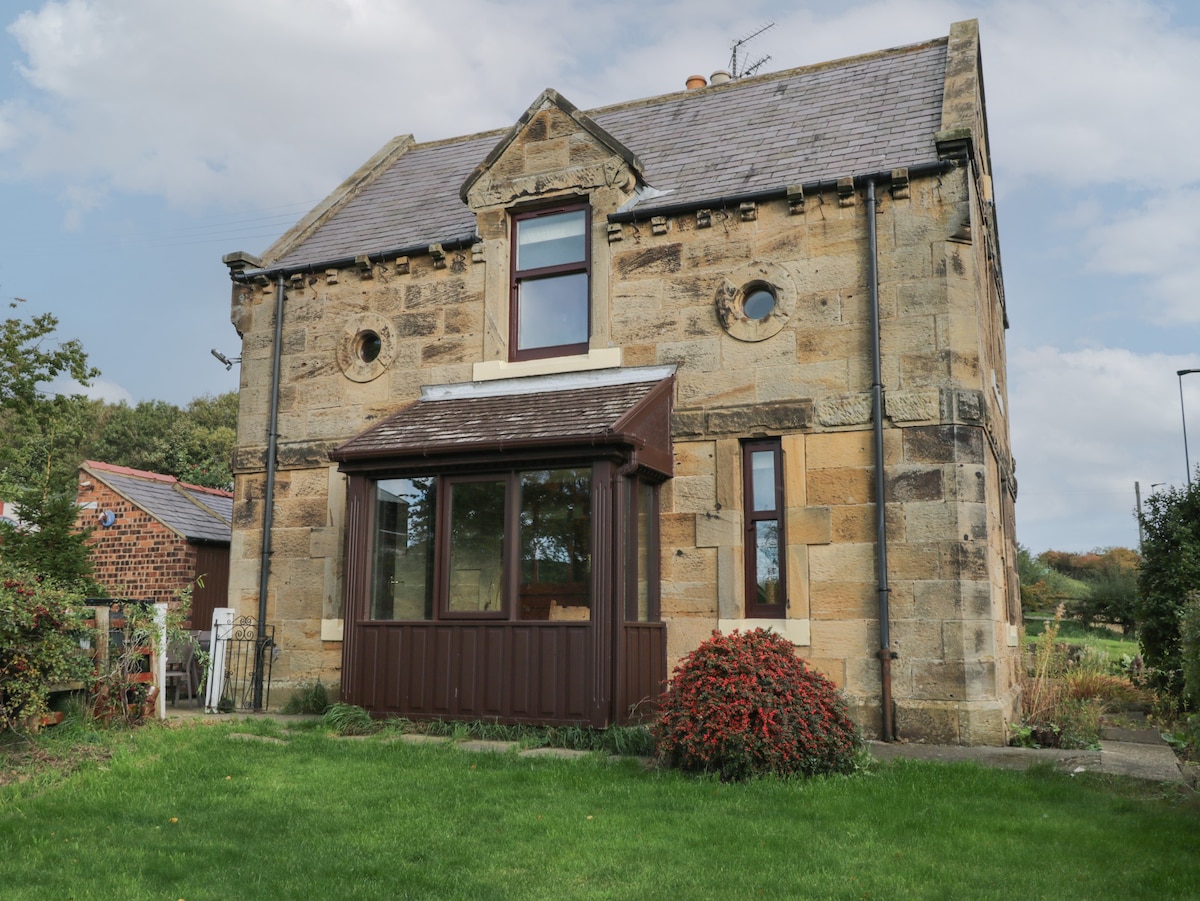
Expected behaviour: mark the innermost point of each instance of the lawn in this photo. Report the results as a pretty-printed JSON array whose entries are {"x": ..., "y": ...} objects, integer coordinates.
[{"x": 193, "y": 813}]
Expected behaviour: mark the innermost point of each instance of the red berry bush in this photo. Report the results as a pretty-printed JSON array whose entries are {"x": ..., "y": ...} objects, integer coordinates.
[{"x": 744, "y": 705}]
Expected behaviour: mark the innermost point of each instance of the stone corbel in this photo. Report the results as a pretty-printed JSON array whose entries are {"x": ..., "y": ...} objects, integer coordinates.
[
  {"x": 438, "y": 255},
  {"x": 845, "y": 187},
  {"x": 658, "y": 225},
  {"x": 900, "y": 184},
  {"x": 795, "y": 199},
  {"x": 363, "y": 264},
  {"x": 749, "y": 211},
  {"x": 703, "y": 218}
]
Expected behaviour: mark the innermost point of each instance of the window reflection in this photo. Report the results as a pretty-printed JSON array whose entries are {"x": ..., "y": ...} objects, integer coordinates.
[
  {"x": 403, "y": 565},
  {"x": 555, "y": 544}
]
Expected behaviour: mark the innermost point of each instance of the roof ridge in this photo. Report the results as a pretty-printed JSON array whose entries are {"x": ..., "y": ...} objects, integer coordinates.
[{"x": 129, "y": 471}]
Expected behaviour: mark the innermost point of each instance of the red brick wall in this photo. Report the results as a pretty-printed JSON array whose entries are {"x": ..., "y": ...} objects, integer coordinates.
[{"x": 137, "y": 557}]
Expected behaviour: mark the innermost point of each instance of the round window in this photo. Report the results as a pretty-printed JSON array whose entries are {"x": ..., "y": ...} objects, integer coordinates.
[
  {"x": 759, "y": 302},
  {"x": 369, "y": 346}
]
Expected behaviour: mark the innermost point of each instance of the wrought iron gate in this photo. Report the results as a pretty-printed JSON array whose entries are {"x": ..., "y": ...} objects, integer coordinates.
[{"x": 241, "y": 655}]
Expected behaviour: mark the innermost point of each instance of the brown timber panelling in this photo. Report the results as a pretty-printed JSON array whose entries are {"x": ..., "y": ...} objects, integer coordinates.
[
  {"x": 643, "y": 673},
  {"x": 519, "y": 672}
]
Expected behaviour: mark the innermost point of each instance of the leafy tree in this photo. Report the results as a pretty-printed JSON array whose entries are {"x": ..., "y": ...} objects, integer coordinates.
[
  {"x": 26, "y": 362},
  {"x": 38, "y": 475},
  {"x": 1170, "y": 570}
]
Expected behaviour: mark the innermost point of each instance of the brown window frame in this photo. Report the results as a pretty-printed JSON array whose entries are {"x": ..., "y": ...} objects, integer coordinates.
[
  {"x": 754, "y": 609},
  {"x": 508, "y": 608},
  {"x": 519, "y": 276}
]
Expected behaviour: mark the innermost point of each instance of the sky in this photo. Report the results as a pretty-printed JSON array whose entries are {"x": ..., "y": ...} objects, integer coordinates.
[{"x": 142, "y": 140}]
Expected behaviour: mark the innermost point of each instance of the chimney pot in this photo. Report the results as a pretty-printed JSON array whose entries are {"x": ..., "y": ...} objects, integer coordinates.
[
  {"x": 720, "y": 77},
  {"x": 695, "y": 82}
]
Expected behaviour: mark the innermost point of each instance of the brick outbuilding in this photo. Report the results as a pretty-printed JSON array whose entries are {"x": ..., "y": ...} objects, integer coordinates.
[{"x": 153, "y": 535}]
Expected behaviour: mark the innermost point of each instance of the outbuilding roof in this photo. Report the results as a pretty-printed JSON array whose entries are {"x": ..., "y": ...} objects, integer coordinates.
[
  {"x": 852, "y": 117},
  {"x": 194, "y": 512}
]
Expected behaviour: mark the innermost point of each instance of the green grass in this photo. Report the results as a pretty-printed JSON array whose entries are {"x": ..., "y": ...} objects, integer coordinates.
[
  {"x": 1110, "y": 643},
  {"x": 191, "y": 813}
]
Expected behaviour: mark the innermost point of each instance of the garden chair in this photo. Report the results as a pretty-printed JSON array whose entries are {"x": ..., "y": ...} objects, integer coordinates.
[{"x": 180, "y": 671}]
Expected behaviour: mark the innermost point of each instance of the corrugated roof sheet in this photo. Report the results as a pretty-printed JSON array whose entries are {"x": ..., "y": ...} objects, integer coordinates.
[
  {"x": 863, "y": 115},
  {"x": 445, "y": 425},
  {"x": 196, "y": 513}
]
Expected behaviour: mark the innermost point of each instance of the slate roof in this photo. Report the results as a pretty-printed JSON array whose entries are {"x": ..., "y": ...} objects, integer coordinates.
[
  {"x": 196, "y": 513},
  {"x": 852, "y": 117},
  {"x": 429, "y": 426}
]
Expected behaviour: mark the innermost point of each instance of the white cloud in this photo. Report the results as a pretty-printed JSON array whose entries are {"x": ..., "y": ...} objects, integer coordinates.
[
  {"x": 99, "y": 389},
  {"x": 1085, "y": 426},
  {"x": 1160, "y": 241},
  {"x": 1091, "y": 91}
]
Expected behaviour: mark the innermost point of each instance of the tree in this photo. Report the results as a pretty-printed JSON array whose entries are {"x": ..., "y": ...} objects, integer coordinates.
[
  {"x": 26, "y": 363},
  {"x": 1170, "y": 570},
  {"x": 36, "y": 475}
]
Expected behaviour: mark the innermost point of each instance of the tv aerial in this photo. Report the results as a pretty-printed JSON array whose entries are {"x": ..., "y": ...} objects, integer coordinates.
[{"x": 746, "y": 69}]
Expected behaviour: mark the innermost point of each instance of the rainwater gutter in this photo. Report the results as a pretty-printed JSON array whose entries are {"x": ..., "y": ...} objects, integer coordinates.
[
  {"x": 264, "y": 565},
  {"x": 886, "y": 654},
  {"x": 412, "y": 250}
]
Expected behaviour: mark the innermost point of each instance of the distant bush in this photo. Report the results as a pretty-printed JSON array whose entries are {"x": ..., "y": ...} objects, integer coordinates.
[{"x": 743, "y": 705}]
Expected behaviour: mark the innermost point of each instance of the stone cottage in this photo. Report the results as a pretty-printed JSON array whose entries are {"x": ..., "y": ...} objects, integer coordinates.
[
  {"x": 526, "y": 415},
  {"x": 153, "y": 535}
]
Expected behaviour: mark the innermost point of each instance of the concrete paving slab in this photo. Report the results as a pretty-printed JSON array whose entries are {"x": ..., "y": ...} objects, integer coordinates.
[
  {"x": 493, "y": 747},
  {"x": 564, "y": 753},
  {"x": 417, "y": 738},
  {"x": 1003, "y": 758},
  {"x": 1143, "y": 761}
]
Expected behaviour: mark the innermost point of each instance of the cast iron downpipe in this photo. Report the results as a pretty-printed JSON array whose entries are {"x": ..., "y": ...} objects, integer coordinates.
[
  {"x": 264, "y": 565},
  {"x": 886, "y": 655}
]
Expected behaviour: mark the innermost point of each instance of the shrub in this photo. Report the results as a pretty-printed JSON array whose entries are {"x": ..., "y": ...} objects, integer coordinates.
[
  {"x": 308, "y": 698},
  {"x": 1189, "y": 641},
  {"x": 743, "y": 705},
  {"x": 40, "y": 628}
]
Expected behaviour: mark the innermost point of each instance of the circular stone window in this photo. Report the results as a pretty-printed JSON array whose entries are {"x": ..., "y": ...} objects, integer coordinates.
[
  {"x": 759, "y": 301},
  {"x": 367, "y": 347},
  {"x": 756, "y": 301}
]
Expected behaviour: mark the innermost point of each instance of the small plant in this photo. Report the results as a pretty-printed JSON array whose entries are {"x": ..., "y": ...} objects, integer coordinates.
[
  {"x": 348, "y": 719},
  {"x": 743, "y": 705},
  {"x": 308, "y": 698}
]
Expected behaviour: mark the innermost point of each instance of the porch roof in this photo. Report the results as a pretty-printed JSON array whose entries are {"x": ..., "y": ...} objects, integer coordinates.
[{"x": 634, "y": 415}]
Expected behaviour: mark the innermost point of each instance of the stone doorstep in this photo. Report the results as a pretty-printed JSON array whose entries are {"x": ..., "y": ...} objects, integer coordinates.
[{"x": 1136, "y": 736}]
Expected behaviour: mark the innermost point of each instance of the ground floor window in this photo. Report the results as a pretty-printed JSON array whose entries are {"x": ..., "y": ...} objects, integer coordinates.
[
  {"x": 762, "y": 485},
  {"x": 509, "y": 545}
]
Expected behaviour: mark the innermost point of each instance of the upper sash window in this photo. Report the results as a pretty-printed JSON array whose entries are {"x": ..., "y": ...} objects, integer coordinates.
[{"x": 551, "y": 308}]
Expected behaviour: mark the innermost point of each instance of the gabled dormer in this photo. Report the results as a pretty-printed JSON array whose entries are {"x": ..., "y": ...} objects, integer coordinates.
[{"x": 541, "y": 198}]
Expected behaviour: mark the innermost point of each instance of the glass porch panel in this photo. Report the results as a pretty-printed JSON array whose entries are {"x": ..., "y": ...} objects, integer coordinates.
[
  {"x": 644, "y": 500},
  {"x": 766, "y": 550},
  {"x": 555, "y": 544},
  {"x": 762, "y": 477},
  {"x": 553, "y": 311},
  {"x": 402, "y": 568},
  {"x": 551, "y": 240},
  {"x": 476, "y": 553}
]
